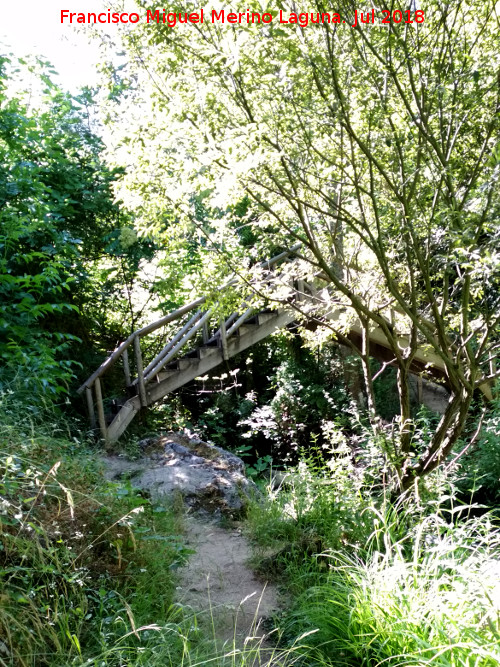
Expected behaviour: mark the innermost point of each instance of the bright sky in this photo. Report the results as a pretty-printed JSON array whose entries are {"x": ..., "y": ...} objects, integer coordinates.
[{"x": 34, "y": 27}]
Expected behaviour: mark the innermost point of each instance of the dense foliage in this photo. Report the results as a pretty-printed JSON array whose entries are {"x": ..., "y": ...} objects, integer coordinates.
[
  {"x": 374, "y": 151},
  {"x": 69, "y": 255}
]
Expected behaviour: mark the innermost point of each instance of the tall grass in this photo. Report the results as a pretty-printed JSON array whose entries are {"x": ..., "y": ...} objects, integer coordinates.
[
  {"x": 422, "y": 588},
  {"x": 82, "y": 562},
  {"x": 87, "y": 570},
  {"x": 438, "y": 606}
]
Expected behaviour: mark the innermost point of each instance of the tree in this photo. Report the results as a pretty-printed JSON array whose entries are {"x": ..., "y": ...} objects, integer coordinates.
[
  {"x": 374, "y": 147},
  {"x": 62, "y": 235}
]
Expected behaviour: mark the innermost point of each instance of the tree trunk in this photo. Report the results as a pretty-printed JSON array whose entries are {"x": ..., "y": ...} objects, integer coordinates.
[
  {"x": 405, "y": 425},
  {"x": 447, "y": 433}
]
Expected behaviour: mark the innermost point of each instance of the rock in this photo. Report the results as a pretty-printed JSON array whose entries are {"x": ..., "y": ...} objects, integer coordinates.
[
  {"x": 174, "y": 448},
  {"x": 209, "y": 478}
]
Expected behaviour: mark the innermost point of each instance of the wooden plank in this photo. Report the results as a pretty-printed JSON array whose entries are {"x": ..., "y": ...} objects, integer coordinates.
[
  {"x": 223, "y": 339},
  {"x": 90, "y": 408},
  {"x": 140, "y": 372},
  {"x": 179, "y": 345},
  {"x": 126, "y": 367},
  {"x": 100, "y": 410},
  {"x": 161, "y": 355}
]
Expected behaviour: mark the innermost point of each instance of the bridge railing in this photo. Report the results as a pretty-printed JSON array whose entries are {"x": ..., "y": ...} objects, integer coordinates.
[{"x": 192, "y": 322}]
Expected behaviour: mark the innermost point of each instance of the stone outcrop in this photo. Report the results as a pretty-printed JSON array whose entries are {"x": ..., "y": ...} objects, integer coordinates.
[{"x": 209, "y": 478}]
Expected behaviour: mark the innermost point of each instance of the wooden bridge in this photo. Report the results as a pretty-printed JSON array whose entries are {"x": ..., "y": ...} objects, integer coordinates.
[{"x": 198, "y": 341}]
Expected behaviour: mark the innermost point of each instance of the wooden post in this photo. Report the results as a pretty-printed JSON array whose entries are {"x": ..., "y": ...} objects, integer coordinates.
[
  {"x": 223, "y": 339},
  {"x": 100, "y": 410},
  {"x": 311, "y": 288},
  {"x": 90, "y": 407},
  {"x": 126, "y": 367},
  {"x": 300, "y": 290},
  {"x": 140, "y": 372},
  {"x": 206, "y": 334}
]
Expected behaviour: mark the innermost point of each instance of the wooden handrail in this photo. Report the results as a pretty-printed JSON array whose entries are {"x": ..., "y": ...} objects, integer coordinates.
[
  {"x": 171, "y": 354},
  {"x": 171, "y": 343},
  {"x": 108, "y": 363},
  {"x": 283, "y": 255},
  {"x": 239, "y": 322},
  {"x": 116, "y": 354},
  {"x": 227, "y": 323},
  {"x": 148, "y": 391}
]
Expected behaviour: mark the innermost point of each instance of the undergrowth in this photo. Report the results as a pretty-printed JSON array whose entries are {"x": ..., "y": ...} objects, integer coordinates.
[
  {"x": 84, "y": 563},
  {"x": 88, "y": 566},
  {"x": 372, "y": 582}
]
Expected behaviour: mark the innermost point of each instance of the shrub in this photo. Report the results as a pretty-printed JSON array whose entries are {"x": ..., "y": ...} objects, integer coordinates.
[
  {"x": 482, "y": 465},
  {"x": 308, "y": 394},
  {"x": 312, "y": 507},
  {"x": 429, "y": 597}
]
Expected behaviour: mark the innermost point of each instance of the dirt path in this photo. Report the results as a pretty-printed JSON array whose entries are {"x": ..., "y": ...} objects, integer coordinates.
[
  {"x": 219, "y": 585},
  {"x": 230, "y": 603}
]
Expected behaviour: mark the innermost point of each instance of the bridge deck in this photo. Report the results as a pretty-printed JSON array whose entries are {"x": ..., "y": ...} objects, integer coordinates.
[{"x": 210, "y": 341}]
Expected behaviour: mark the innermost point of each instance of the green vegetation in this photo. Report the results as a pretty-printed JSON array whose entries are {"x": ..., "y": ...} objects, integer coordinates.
[
  {"x": 84, "y": 563},
  {"x": 374, "y": 583},
  {"x": 88, "y": 567},
  {"x": 374, "y": 149},
  {"x": 70, "y": 259},
  {"x": 373, "y": 154}
]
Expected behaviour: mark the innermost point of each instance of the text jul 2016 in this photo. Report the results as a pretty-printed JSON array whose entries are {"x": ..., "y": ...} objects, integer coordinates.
[{"x": 302, "y": 19}]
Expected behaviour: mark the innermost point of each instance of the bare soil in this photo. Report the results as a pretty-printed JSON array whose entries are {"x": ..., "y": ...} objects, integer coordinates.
[{"x": 220, "y": 586}]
